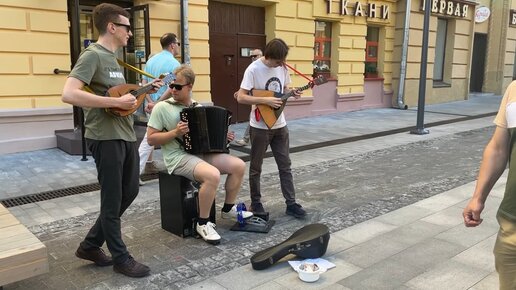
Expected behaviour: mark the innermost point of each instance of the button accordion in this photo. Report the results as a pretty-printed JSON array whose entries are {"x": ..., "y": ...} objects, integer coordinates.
[{"x": 208, "y": 129}]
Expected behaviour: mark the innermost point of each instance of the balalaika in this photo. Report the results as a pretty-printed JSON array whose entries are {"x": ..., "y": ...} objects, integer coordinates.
[{"x": 208, "y": 126}]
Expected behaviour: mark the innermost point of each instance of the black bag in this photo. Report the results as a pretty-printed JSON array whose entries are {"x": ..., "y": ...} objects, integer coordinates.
[{"x": 308, "y": 242}]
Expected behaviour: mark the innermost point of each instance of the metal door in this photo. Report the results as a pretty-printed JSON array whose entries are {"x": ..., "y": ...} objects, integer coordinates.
[
  {"x": 235, "y": 30},
  {"x": 478, "y": 62}
]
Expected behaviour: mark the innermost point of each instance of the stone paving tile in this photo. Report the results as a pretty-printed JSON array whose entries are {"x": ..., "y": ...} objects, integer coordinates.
[
  {"x": 382, "y": 275},
  {"x": 365, "y": 231},
  {"x": 337, "y": 244},
  {"x": 404, "y": 215},
  {"x": 371, "y": 252},
  {"x": 426, "y": 254},
  {"x": 414, "y": 233},
  {"x": 488, "y": 283},
  {"x": 438, "y": 202},
  {"x": 326, "y": 280},
  {"x": 448, "y": 275},
  {"x": 450, "y": 217},
  {"x": 474, "y": 235},
  {"x": 271, "y": 285},
  {"x": 480, "y": 255},
  {"x": 211, "y": 284},
  {"x": 239, "y": 278}
]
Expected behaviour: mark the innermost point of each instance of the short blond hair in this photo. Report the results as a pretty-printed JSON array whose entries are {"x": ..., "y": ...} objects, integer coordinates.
[{"x": 187, "y": 72}]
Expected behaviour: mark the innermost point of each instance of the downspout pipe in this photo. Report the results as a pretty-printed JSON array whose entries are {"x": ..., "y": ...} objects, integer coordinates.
[
  {"x": 185, "y": 42},
  {"x": 404, "y": 52}
]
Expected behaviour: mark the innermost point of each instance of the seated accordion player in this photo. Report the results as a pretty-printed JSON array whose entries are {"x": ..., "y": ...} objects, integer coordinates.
[{"x": 208, "y": 126}]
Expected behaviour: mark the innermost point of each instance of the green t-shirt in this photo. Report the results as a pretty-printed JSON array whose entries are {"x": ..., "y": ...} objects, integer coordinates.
[
  {"x": 165, "y": 116},
  {"x": 98, "y": 68}
]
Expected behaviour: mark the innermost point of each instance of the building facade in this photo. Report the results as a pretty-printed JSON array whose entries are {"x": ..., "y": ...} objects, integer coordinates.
[{"x": 368, "y": 52}]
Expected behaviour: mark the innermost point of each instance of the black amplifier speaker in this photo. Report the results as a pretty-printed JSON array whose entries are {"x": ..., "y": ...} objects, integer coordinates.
[{"x": 179, "y": 204}]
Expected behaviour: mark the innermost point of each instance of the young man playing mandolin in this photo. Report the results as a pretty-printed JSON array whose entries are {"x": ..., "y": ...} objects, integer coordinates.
[
  {"x": 165, "y": 128},
  {"x": 269, "y": 73},
  {"x": 111, "y": 139}
]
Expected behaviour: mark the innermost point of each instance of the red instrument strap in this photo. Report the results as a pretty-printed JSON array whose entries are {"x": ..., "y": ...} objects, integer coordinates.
[
  {"x": 298, "y": 72},
  {"x": 257, "y": 114}
]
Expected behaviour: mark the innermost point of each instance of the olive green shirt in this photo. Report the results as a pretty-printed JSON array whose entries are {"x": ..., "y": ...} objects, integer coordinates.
[{"x": 98, "y": 68}]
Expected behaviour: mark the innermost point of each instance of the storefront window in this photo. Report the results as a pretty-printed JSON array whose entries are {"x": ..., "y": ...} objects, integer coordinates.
[
  {"x": 371, "y": 57},
  {"x": 440, "y": 48},
  {"x": 322, "y": 48}
]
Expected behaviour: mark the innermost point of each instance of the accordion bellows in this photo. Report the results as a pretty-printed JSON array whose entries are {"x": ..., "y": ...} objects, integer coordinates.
[{"x": 208, "y": 126}]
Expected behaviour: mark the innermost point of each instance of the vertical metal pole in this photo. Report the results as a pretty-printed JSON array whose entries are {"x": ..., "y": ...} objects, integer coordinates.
[
  {"x": 185, "y": 42},
  {"x": 420, "y": 130}
]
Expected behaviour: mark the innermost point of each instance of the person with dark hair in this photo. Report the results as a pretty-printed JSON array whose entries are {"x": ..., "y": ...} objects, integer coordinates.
[
  {"x": 269, "y": 73},
  {"x": 165, "y": 128},
  {"x": 111, "y": 139},
  {"x": 161, "y": 63}
]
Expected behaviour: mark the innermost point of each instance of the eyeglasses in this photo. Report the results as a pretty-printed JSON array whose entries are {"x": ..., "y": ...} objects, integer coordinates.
[
  {"x": 127, "y": 26},
  {"x": 254, "y": 56},
  {"x": 178, "y": 43},
  {"x": 178, "y": 87}
]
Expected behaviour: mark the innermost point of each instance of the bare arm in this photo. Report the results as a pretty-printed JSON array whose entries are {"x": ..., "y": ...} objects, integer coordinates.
[
  {"x": 494, "y": 162},
  {"x": 156, "y": 137},
  {"x": 74, "y": 95}
]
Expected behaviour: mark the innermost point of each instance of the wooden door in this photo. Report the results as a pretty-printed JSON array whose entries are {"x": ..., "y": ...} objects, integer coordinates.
[{"x": 234, "y": 31}]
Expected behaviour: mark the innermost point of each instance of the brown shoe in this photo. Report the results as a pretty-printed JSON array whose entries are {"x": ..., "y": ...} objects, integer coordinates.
[
  {"x": 132, "y": 268},
  {"x": 95, "y": 255}
]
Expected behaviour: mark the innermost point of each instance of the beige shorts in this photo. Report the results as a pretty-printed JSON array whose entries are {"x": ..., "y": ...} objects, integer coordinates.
[
  {"x": 187, "y": 165},
  {"x": 505, "y": 253}
]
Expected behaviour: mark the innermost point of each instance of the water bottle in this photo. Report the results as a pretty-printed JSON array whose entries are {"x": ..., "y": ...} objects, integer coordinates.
[{"x": 240, "y": 218}]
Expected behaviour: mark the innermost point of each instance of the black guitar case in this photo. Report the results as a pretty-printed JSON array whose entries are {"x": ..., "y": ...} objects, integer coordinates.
[{"x": 308, "y": 242}]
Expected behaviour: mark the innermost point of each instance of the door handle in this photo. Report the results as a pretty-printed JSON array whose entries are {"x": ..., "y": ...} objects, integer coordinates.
[{"x": 229, "y": 58}]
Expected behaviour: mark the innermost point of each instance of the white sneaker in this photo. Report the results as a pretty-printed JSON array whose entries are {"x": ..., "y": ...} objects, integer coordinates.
[
  {"x": 141, "y": 182},
  {"x": 241, "y": 142},
  {"x": 232, "y": 214},
  {"x": 208, "y": 233}
]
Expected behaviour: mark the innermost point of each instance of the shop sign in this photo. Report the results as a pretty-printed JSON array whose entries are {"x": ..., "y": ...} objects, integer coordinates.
[
  {"x": 512, "y": 18},
  {"x": 449, "y": 8},
  {"x": 481, "y": 14},
  {"x": 370, "y": 10}
]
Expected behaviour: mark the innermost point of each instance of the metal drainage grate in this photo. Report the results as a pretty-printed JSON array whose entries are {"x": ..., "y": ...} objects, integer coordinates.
[{"x": 47, "y": 195}]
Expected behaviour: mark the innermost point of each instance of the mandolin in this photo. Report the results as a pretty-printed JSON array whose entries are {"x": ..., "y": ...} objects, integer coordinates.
[
  {"x": 137, "y": 91},
  {"x": 270, "y": 115}
]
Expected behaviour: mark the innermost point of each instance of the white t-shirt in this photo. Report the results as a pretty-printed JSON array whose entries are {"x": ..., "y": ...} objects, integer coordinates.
[{"x": 261, "y": 77}]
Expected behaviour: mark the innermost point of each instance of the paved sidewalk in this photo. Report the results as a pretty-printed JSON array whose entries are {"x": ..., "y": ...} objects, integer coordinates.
[
  {"x": 418, "y": 246},
  {"x": 421, "y": 246}
]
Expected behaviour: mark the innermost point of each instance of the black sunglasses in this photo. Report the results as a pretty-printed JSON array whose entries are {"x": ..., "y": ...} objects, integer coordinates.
[
  {"x": 177, "y": 86},
  {"x": 178, "y": 43},
  {"x": 127, "y": 27},
  {"x": 254, "y": 55}
]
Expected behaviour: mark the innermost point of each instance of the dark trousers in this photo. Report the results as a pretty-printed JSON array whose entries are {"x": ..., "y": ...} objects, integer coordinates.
[
  {"x": 117, "y": 164},
  {"x": 278, "y": 139}
]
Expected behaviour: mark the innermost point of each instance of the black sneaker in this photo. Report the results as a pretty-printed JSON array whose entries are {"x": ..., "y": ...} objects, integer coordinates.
[
  {"x": 295, "y": 210},
  {"x": 96, "y": 255},
  {"x": 256, "y": 207},
  {"x": 132, "y": 268}
]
